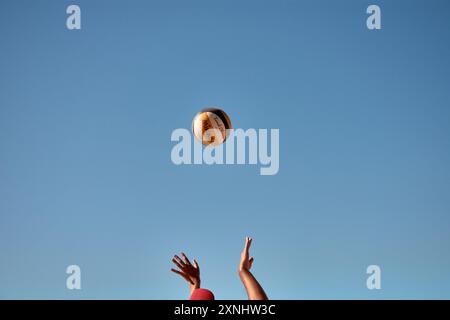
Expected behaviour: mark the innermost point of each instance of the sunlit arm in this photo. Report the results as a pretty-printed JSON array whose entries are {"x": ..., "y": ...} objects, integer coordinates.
[{"x": 252, "y": 286}]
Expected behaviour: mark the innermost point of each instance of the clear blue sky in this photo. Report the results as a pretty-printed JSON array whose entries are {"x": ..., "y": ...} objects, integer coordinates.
[{"x": 85, "y": 170}]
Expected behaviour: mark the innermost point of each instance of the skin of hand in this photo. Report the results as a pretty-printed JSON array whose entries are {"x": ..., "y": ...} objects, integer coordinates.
[
  {"x": 190, "y": 272},
  {"x": 246, "y": 262},
  {"x": 253, "y": 288}
]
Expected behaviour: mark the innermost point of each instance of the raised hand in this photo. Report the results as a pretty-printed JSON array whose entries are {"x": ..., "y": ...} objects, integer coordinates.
[
  {"x": 189, "y": 272},
  {"x": 252, "y": 286},
  {"x": 246, "y": 262}
]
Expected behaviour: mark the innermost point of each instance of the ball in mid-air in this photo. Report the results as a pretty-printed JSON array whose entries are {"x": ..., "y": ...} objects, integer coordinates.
[{"x": 210, "y": 126}]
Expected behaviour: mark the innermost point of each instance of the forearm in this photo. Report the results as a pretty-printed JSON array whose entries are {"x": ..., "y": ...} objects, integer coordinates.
[
  {"x": 194, "y": 286},
  {"x": 252, "y": 286}
]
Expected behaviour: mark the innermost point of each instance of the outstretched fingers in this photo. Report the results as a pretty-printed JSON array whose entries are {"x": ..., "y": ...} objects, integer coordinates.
[
  {"x": 186, "y": 260},
  {"x": 248, "y": 243},
  {"x": 177, "y": 263},
  {"x": 179, "y": 260}
]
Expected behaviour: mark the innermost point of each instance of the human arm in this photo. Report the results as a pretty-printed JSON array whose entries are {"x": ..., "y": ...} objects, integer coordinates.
[{"x": 252, "y": 286}]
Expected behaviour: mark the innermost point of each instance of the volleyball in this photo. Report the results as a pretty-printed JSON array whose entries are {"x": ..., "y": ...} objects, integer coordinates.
[{"x": 210, "y": 126}]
